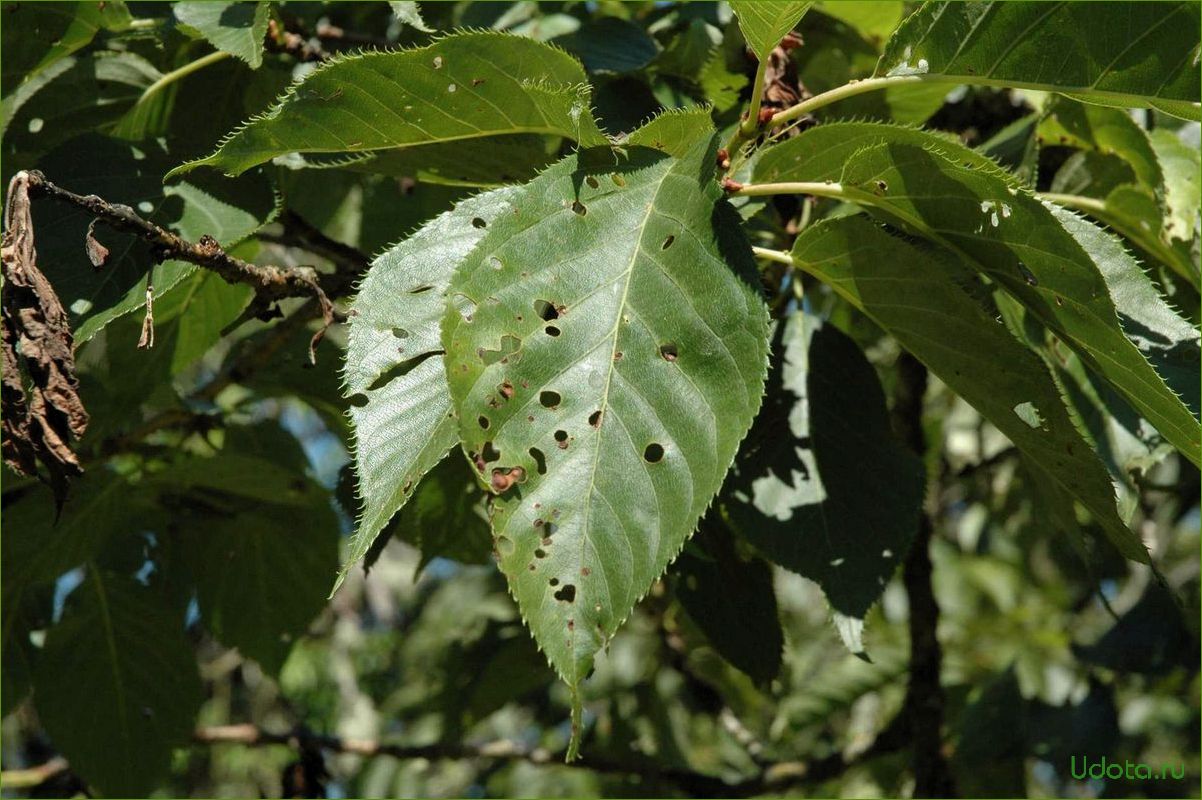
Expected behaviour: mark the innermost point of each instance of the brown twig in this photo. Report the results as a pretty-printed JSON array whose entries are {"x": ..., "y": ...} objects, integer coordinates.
[
  {"x": 925, "y": 701},
  {"x": 271, "y": 283}
]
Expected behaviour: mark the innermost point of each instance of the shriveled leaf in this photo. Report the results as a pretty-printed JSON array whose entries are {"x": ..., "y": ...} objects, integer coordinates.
[
  {"x": 400, "y": 406},
  {"x": 821, "y": 444},
  {"x": 606, "y": 349},
  {"x": 132, "y": 175},
  {"x": 917, "y": 294},
  {"x": 465, "y": 86},
  {"x": 117, "y": 688},
  {"x": 957, "y": 197},
  {"x": 261, "y": 576},
  {"x": 1121, "y": 54},
  {"x": 237, "y": 28},
  {"x": 732, "y": 601},
  {"x": 764, "y": 24}
]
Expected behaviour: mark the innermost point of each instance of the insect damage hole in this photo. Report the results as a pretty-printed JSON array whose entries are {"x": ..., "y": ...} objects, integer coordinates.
[
  {"x": 477, "y": 222},
  {"x": 592, "y": 182},
  {"x": 483, "y": 421},
  {"x": 668, "y": 351},
  {"x": 654, "y": 453},
  {"x": 540, "y": 461},
  {"x": 549, "y": 399},
  {"x": 551, "y": 330},
  {"x": 578, "y": 208},
  {"x": 594, "y": 419},
  {"x": 668, "y": 242},
  {"x": 546, "y": 310},
  {"x": 567, "y": 594},
  {"x": 561, "y": 439}
]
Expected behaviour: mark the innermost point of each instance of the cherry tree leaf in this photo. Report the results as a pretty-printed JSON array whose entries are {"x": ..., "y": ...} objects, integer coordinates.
[
  {"x": 764, "y": 24},
  {"x": 466, "y": 86},
  {"x": 1120, "y": 54},
  {"x": 917, "y": 294},
  {"x": 400, "y": 406},
  {"x": 606, "y": 350},
  {"x": 236, "y": 28}
]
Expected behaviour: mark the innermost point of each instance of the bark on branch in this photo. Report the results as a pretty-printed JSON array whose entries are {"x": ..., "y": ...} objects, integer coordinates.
[{"x": 271, "y": 283}]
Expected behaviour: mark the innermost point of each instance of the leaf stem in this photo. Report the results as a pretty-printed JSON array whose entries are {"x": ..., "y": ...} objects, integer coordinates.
[
  {"x": 815, "y": 188},
  {"x": 748, "y": 127},
  {"x": 851, "y": 90},
  {"x": 1088, "y": 204},
  {"x": 768, "y": 254},
  {"x": 182, "y": 72}
]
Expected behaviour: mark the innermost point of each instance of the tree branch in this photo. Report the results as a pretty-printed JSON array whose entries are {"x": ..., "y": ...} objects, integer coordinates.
[
  {"x": 271, "y": 283},
  {"x": 924, "y": 704}
]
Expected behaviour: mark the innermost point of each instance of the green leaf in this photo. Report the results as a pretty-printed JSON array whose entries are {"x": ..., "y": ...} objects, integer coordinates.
[
  {"x": 1104, "y": 130},
  {"x": 732, "y": 601},
  {"x": 261, "y": 575},
  {"x": 1122, "y": 54},
  {"x": 117, "y": 686},
  {"x": 874, "y": 19},
  {"x": 227, "y": 210},
  {"x": 1016, "y": 240},
  {"x": 610, "y": 45},
  {"x": 593, "y": 388},
  {"x": 84, "y": 94},
  {"x": 410, "y": 14},
  {"x": 957, "y": 197},
  {"x": 820, "y": 445},
  {"x": 486, "y": 162},
  {"x": 674, "y": 132},
  {"x": 445, "y": 517},
  {"x": 400, "y": 405},
  {"x": 38, "y": 35},
  {"x": 917, "y": 294},
  {"x": 465, "y": 86},
  {"x": 1182, "y": 188},
  {"x": 237, "y": 28},
  {"x": 764, "y": 24}
]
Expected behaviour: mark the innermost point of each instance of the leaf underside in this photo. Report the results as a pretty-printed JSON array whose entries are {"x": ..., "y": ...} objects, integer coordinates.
[{"x": 606, "y": 351}]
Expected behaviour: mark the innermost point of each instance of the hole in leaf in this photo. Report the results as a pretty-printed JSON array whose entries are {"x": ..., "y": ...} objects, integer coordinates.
[
  {"x": 562, "y": 438},
  {"x": 540, "y": 553},
  {"x": 358, "y": 400},
  {"x": 591, "y": 181},
  {"x": 549, "y": 399},
  {"x": 425, "y": 287},
  {"x": 505, "y": 389},
  {"x": 477, "y": 222},
  {"x": 401, "y": 368},
  {"x": 546, "y": 310},
  {"x": 567, "y": 593},
  {"x": 1029, "y": 414},
  {"x": 483, "y": 420},
  {"x": 653, "y": 453},
  {"x": 490, "y": 453},
  {"x": 510, "y": 345},
  {"x": 554, "y": 581},
  {"x": 594, "y": 419},
  {"x": 668, "y": 351},
  {"x": 503, "y": 479},
  {"x": 668, "y": 242},
  {"x": 540, "y": 461},
  {"x": 579, "y": 208},
  {"x": 551, "y": 330}
]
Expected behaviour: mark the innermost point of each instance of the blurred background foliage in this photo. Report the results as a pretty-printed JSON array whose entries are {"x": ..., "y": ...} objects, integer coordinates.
[{"x": 223, "y": 427}]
